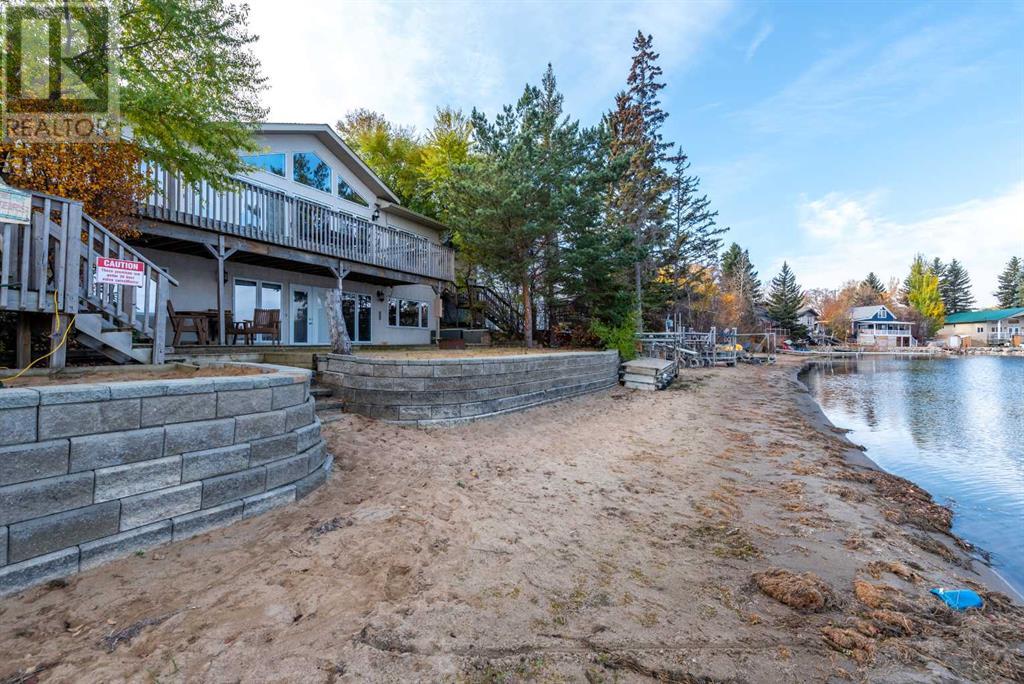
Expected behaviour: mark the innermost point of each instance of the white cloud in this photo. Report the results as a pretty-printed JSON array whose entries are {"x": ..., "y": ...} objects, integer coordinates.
[
  {"x": 759, "y": 37},
  {"x": 846, "y": 237},
  {"x": 404, "y": 59}
]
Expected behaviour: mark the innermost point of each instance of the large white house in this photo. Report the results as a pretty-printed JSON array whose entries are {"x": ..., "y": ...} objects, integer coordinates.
[
  {"x": 312, "y": 217},
  {"x": 877, "y": 326}
]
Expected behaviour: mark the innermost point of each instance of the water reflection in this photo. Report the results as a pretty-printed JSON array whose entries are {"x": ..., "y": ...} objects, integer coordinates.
[{"x": 954, "y": 426}]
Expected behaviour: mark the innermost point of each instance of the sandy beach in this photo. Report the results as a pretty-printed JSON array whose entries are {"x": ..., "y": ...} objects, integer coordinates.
[{"x": 719, "y": 531}]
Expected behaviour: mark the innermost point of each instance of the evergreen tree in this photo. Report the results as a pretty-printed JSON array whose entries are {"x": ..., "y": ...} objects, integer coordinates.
[
  {"x": 874, "y": 284},
  {"x": 922, "y": 286},
  {"x": 692, "y": 242},
  {"x": 955, "y": 288},
  {"x": 784, "y": 301},
  {"x": 639, "y": 200},
  {"x": 1010, "y": 290},
  {"x": 737, "y": 268}
]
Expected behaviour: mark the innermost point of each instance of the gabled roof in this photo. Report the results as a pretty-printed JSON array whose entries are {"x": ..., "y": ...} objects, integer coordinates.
[
  {"x": 808, "y": 310},
  {"x": 333, "y": 142},
  {"x": 984, "y": 315},
  {"x": 866, "y": 313}
]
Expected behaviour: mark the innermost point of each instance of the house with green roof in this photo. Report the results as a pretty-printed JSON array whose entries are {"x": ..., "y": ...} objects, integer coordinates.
[{"x": 986, "y": 327}]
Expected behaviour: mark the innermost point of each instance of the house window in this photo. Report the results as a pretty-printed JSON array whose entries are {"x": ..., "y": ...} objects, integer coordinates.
[
  {"x": 311, "y": 170},
  {"x": 345, "y": 191},
  {"x": 271, "y": 163},
  {"x": 981, "y": 328},
  {"x": 406, "y": 313},
  {"x": 356, "y": 310},
  {"x": 250, "y": 295}
]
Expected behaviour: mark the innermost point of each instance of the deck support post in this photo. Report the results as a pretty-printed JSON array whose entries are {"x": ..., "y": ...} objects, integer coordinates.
[
  {"x": 23, "y": 340},
  {"x": 221, "y": 254},
  {"x": 58, "y": 359}
]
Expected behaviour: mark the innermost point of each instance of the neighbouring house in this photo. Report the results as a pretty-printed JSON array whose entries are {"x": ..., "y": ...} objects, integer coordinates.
[
  {"x": 810, "y": 319},
  {"x": 987, "y": 327},
  {"x": 878, "y": 326},
  {"x": 310, "y": 218}
]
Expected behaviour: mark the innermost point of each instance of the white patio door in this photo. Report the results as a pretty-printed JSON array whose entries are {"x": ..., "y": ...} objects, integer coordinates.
[{"x": 302, "y": 315}]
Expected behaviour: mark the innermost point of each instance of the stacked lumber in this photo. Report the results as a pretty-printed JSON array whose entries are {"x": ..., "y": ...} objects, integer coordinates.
[{"x": 648, "y": 373}]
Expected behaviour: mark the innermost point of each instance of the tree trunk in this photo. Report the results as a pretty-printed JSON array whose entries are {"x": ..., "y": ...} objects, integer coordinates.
[
  {"x": 527, "y": 311},
  {"x": 341, "y": 343}
]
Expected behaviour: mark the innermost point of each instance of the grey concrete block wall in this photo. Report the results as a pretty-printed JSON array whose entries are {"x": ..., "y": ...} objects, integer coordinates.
[
  {"x": 443, "y": 391},
  {"x": 93, "y": 472}
]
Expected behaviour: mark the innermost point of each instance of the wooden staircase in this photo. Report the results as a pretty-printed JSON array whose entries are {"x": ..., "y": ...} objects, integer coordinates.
[{"x": 47, "y": 267}]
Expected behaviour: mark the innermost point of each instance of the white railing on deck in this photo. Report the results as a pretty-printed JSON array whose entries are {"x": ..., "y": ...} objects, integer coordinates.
[
  {"x": 54, "y": 258},
  {"x": 269, "y": 215}
]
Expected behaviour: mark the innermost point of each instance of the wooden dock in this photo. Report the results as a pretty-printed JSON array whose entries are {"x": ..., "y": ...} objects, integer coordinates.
[{"x": 648, "y": 373}]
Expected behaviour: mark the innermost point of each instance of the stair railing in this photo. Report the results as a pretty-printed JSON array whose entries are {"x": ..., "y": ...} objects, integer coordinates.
[{"x": 55, "y": 256}]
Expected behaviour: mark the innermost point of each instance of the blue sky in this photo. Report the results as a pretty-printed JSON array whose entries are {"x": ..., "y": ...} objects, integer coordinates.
[{"x": 841, "y": 137}]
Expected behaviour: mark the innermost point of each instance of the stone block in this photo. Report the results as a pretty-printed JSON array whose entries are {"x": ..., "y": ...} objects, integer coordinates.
[
  {"x": 315, "y": 456},
  {"x": 389, "y": 371},
  {"x": 190, "y": 386},
  {"x": 445, "y": 411},
  {"x": 207, "y": 434},
  {"x": 287, "y": 470},
  {"x": 143, "y": 509},
  {"x": 261, "y": 503},
  {"x": 413, "y": 412},
  {"x": 42, "y": 497},
  {"x": 69, "y": 420},
  {"x": 137, "y": 389},
  {"x": 244, "y": 402},
  {"x": 44, "y": 535},
  {"x": 33, "y": 461},
  {"x": 448, "y": 370},
  {"x": 191, "y": 524},
  {"x": 146, "y": 476},
  {"x": 38, "y": 570},
  {"x": 178, "y": 409},
  {"x": 258, "y": 425},
  {"x": 415, "y": 371},
  {"x": 306, "y": 485},
  {"x": 297, "y": 416},
  {"x": 3, "y": 546},
  {"x": 231, "y": 384},
  {"x": 218, "y": 490},
  {"x": 124, "y": 544},
  {"x": 18, "y": 397},
  {"x": 89, "y": 452},
  {"x": 288, "y": 395},
  {"x": 273, "y": 448},
  {"x": 17, "y": 425},
  {"x": 308, "y": 436},
  {"x": 72, "y": 394},
  {"x": 199, "y": 465}
]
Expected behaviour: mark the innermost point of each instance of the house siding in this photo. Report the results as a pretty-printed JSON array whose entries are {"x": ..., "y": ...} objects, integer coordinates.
[{"x": 197, "y": 291}]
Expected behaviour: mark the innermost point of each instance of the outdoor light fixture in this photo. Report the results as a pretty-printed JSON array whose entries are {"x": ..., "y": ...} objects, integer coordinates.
[
  {"x": 376, "y": 212},
  {"x": 380, "y": 295}
]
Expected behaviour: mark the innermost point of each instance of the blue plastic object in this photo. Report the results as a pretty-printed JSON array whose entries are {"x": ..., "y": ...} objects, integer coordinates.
[{"x": 959, "y": 599}]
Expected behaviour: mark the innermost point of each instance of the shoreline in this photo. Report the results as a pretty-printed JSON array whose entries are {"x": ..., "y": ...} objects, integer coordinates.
[
  {"x": 859, "y": 455},
  {"x": 720, "y": 530}
]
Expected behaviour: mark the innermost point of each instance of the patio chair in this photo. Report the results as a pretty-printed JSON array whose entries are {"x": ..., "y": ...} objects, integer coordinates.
[
  {"x": 264, "y": 322},
  {"x": 188, "y": 322}
]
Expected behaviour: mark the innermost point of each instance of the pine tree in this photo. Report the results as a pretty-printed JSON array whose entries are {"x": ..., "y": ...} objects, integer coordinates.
[
  {"x": 736, "y": 266},
  {"x": 784, "y": 301},
  {"x": 955, "y": 288},
  {"x": 640, "y": 199},
  {"x": 874, "y": 284},
  {"x": 1010, "y": 290},
  {"x": 922, "y": 286}
]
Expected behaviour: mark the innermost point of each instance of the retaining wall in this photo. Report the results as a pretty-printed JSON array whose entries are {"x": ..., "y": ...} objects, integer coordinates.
[
  {"x": 91, "y": 472},
  {"x": 438, "y": 391}
]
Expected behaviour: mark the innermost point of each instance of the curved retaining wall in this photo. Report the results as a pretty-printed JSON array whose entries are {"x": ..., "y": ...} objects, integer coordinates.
[
  {"x": 89, "y": 473},
  {"x": 439, "y": 391}
]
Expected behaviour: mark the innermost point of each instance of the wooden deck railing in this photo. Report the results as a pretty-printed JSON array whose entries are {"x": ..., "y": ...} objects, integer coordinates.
[
  {"x": 269, "y": 215},
  {"x": 53, "y": 258}
]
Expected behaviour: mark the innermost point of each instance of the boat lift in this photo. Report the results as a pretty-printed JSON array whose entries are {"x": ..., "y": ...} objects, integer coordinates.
[{"x": 692, "y": 348}]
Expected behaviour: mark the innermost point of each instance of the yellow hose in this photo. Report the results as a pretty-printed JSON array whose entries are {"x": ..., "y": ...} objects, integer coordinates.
[{"x": 52, "y": 351}]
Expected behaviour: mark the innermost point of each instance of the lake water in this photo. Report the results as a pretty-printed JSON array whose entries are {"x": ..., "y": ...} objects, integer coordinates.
[{"x": 953, "y": 426}]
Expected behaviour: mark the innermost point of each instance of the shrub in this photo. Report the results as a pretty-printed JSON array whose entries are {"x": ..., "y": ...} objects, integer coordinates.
[{"x": 621, "y": 338}]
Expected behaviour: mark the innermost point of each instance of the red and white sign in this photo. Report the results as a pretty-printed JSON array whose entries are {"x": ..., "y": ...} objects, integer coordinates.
[{"x": 120, "y": 272}]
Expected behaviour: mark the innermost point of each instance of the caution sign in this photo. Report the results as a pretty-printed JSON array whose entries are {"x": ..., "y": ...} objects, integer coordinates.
[
  {"x": 120, "y": 272},
  {"x": 15, "y": 205}
]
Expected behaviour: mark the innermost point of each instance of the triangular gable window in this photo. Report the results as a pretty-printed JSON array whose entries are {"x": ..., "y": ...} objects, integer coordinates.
[{"x": 345, "y": 191}]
